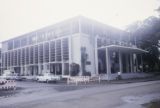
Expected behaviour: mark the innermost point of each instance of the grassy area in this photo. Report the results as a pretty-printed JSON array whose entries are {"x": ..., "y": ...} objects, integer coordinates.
[{"x": 154, "y": 104}]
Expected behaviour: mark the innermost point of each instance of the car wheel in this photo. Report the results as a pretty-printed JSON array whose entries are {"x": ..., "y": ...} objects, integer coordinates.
[{"x": 37, "y": 79}]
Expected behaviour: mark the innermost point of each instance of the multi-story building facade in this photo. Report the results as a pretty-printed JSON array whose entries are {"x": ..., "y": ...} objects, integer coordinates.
[
  {"x": 0, "y": 63},
  {"x": 52, "y": 49}
]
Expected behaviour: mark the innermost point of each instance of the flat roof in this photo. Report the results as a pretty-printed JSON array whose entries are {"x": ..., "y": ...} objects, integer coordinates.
[
  {"x": 124, "y": 49},
  {"x": 67, "y": 21}
]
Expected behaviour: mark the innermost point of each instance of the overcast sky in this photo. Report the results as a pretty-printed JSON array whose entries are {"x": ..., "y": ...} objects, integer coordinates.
[{"x": 21, "y": 16}]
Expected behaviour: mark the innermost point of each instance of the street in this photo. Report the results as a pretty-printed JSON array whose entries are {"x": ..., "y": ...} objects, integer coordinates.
[{"x": 41, "y": 95}]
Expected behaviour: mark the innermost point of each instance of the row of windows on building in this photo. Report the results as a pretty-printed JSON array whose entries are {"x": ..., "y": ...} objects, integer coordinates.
[
  {"x": 53, "y": 51},
  {"x": 0, "y": 61},
  {"x": 43, "y": 35},
  {"x": 87, "y": 27}
]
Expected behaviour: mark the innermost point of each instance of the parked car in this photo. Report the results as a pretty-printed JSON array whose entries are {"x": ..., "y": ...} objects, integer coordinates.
[
  {"x": 48, "y": 77},
  {"x": 10, "y": 75}
]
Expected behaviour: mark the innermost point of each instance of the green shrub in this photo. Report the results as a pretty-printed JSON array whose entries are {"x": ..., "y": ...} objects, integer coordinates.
[{"x": 74, "y": 69}]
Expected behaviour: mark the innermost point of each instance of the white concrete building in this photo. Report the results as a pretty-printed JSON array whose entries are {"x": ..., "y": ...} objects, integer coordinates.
[
  {"x": 106, "y": 50},
  {"x": 0, "y": 62}
]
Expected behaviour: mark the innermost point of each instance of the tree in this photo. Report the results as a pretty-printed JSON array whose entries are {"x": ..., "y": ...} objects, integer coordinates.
[
  {"x": 147, "y": 34},
  {"x": 158, "y": 10},
  {"x": 74, "y": 69}
]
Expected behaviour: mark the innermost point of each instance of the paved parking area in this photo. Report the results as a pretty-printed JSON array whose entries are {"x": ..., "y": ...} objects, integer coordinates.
[
  {"x": 60, "y": 95},
  {"x": 32, "y": 88},
  {"x": 35, "y": 88}
]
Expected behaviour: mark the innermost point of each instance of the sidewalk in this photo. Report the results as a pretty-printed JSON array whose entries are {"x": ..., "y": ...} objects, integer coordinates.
[
  {"x": 106, "y": 82},
  {"x": 134, "y": 80}
]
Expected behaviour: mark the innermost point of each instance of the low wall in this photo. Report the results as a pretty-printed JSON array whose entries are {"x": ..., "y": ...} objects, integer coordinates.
[{"x": 125, "y": 76}]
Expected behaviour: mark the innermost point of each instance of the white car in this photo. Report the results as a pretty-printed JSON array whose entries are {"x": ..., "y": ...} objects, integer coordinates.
[
  {"x": 10, "y": 75},
  {"x": 48, "y": 77}
]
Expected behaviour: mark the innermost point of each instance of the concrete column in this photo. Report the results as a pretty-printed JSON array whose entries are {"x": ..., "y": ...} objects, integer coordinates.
[
  {"x": 17, "y": 57},
  {"x": 29, "y": 69},
  {"x": 108, "y": 64},
  {"x": 44, "y": 68},
  {"x": 10, "y": 63},
  {"x": 34, "y": 55},
  {"x": 21, "y": 72},
  {"x": 131, "y": 62},
  {"x": 127, "y": 63},
  {"x": 62, "y": 68},
  {"x": 70, "y": 46},
  {"x": 29, "y": 54},
  {"x": 62, "y": 57},
  {"x": 49, "y": 51},
  {"x": 136, "y": 62},
  {"x": 26, "y": 70},
  {"x": 43, "y": 53},
  {"x": 70, "y": 53},
  {"x": 39, "y": 69},
  {"x": 120, "y": 62},
  {"x": 4, "y": 61},
  {"x": 56, "y": 69},
  {"x": 25, "y": 56},
  {"x": 141, "y": 63},
  {"x": 34, "y": 70},
  {"x": 96, "y": 56}
]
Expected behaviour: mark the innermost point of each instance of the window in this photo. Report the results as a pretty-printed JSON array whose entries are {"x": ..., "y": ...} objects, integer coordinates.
[
  {"x": 41, "y": 36},
  {"x": 58, "y": 50},
  {"x": 8, "y": 58},
  {"x": 10, "y": 45},
  {"x": 50, "y": 34},
  {"x": 17, "y": 43},
  {"x": 31, "y": 55},
  {"x": 32, "y": 39},
  {"x": 19, "y": 57},
  {"x": 27, "y": 56},
  {"x": 23, "y": 41},
  {"x": 5, "y": 59},
  {"x": 15, "y": 58},
  {"x": 40, "y": 53},
  {"x": 23, "y": 56},
  {"x": 65, "y": 48},
  {"x": 12, "y": 59},
  {"x": 64, "y": 30},
  {"x": 36, "y": 54},
  {"x": 46, "y": 52},
  {"x": 52, "y": 51}
]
